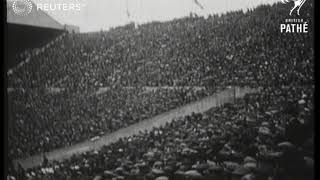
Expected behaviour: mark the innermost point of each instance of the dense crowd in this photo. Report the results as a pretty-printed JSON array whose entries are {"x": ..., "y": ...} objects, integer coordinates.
[
  {"x": 267, "y": 135},
  {"x": 233, "y": 48},
  {"x": 237, "y": 48},
  {"x": 60, "y": 119}
]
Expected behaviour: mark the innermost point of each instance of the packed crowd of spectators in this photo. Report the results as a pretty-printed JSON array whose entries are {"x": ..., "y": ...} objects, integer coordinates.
[
  {"x": 266, "y": 135},
  {"x": 236, "y": 48},
  {"x": 59, "y": 119},
  {"x": 233, "y": 48}
]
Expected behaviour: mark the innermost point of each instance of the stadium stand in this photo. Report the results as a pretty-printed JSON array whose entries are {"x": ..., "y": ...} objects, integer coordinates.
[
  {"x": 24, "y": 33},
  {"x": 255, "y": 138}
]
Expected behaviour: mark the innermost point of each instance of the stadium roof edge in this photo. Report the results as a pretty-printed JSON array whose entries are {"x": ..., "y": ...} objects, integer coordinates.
[{"x": 36, "y": 18}]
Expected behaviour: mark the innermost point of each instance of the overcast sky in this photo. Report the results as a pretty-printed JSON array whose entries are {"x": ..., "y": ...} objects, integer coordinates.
[{"x": 103, "y": 14}]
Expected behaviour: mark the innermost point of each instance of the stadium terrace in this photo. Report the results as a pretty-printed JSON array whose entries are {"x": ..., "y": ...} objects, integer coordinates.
[{"x": 102, "y": 84}]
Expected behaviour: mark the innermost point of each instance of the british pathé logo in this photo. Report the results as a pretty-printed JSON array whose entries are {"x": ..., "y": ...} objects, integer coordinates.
[
  {"x": 294, "y": 25},
  {"x": 297, "y": 4}
]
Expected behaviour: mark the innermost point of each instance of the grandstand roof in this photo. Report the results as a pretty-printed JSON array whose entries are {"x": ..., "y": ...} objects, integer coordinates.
[{"x": 35, "y": 18}]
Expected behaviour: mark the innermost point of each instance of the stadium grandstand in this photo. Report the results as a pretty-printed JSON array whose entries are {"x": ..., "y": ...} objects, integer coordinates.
[
  {"x": 224, "y": 97},
  {"x": 34, "y": 30}
]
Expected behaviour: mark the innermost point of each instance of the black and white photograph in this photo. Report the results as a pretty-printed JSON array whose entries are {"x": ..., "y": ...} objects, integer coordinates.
[{"x": 159, "y": 89}]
